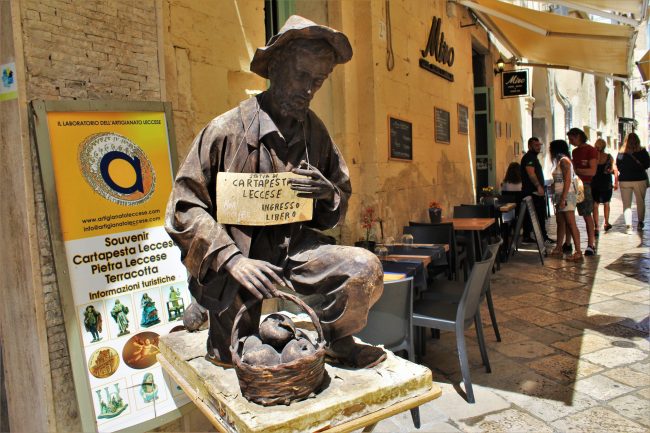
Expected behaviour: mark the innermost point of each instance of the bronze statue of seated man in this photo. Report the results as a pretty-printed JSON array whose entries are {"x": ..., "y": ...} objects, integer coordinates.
[{"x": 275, "y": 131}]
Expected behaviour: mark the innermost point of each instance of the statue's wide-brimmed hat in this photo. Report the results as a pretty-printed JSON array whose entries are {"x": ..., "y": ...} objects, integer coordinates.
[{"x": 298, "y": 27}]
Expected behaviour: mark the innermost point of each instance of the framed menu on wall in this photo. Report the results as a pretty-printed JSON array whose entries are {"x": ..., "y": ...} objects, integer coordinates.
[
  {"x": 463, "y": 114},
  {"x": 442, "y": 127},
  {"x": 400, "y": 139}
]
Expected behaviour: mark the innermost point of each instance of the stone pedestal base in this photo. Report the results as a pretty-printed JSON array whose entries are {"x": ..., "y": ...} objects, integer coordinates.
[{"x": 353, "y": 399}]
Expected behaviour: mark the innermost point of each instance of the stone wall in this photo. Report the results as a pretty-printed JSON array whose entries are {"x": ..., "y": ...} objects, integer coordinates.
[
  {"x": 208, "y": 47},
  {"x": 91, "y": 50},
  {"x": 366, "y": 93}
]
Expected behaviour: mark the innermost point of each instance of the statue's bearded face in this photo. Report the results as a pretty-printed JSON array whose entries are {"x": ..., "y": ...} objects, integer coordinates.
[{"x": 296, "y": 77}]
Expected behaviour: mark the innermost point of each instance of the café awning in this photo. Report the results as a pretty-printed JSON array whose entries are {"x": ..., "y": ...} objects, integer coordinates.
[
  {"x": 553, "y": 40},
  {"x": 622, "y": 6}
]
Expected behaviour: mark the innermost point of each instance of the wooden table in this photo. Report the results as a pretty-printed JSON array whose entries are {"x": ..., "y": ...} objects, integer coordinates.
[
  {"x": 354, "y": 399},
  {"x": 507, "y": 207},
  {"x": 400, "y": 244},
  {"x": 474, "y": 225},
  {"x": 424, "y": 259},
  {"x": 470, "y": 224}
]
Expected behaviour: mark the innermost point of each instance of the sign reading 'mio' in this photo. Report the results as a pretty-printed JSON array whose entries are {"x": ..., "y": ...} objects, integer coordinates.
[
  {"x": 515, "y": 83},
  {"x": 437, "y": 47}
]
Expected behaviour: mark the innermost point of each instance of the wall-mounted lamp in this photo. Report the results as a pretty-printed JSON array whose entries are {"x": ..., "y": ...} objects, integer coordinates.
[{"x": 499, "y": 66}]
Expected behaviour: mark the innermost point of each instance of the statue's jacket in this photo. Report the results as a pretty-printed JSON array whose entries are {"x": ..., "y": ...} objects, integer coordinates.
[{"x": 234, "y": 142}]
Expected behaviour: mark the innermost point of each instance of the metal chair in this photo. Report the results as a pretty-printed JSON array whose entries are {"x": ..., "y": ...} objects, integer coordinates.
[
  {"x": 451, "y": 291},
  {"x": 457, "y": 318},
  {"x": 442, "y": 233},
  {"x": 389, "y": 323}
]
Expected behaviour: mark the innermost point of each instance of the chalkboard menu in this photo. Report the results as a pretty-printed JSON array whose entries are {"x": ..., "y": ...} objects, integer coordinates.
[
  {"x": 514, "y": 83},
  {"x": 400, "y": 139},
  {"x": 443, "y": 132},
  {"x": 463, "y": 114}
]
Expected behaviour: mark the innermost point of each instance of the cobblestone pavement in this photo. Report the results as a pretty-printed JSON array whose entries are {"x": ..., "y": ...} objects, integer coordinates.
[{"x": 574, "y": 350}]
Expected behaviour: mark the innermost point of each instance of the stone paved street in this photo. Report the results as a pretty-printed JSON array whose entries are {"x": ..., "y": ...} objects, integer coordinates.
[{"x": 574, "y": 355}]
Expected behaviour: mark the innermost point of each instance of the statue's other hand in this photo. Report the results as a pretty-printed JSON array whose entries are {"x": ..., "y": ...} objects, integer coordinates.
[
  {"x": 256, "y": 276},
  {"x": 316, "y": 185}
]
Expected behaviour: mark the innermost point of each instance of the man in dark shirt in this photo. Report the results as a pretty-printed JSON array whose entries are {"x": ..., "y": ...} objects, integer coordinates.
[
  {"x": 532, "y": 185},
  {"x": 230, "y": 264}
]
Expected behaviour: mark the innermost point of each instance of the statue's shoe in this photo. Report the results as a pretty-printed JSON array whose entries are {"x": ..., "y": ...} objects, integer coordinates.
[
  {"x": 349, "y": 353},
  {"x": 216, "y": 361},
  {"x": 194, "y": 317}
]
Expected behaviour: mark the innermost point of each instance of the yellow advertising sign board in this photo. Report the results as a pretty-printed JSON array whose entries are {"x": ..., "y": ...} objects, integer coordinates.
[
  {"x": 113, "y": 176},
  {"x": 260, "y": 199}
]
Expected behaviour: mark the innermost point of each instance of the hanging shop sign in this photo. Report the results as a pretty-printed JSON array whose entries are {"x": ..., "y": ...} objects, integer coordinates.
[
  {"x": 400, "y": 139},
  {"x": 112, "y": 176},
  {"x": 437, "y": 48},
  {"x": 514, "y": 83}
]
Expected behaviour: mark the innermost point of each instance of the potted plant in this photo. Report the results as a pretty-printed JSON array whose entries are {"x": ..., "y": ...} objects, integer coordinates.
[
  {"x": 435, "y": 212},
  {"x": 489, "y": 195},
  {"x": 367, "y": 221}
]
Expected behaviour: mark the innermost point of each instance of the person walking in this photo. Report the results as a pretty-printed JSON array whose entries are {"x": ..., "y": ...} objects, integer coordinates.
[
  {"x": 585, "y": 158},
  {"x": 532, "y": 181},
  {"x": 564, "y": 199},
  {"x": 632, "y": 162},
  {"x": 601, "y": 185}
]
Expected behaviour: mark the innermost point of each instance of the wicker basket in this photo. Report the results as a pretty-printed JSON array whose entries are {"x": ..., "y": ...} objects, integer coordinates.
[{"x": 283, "y": 383}]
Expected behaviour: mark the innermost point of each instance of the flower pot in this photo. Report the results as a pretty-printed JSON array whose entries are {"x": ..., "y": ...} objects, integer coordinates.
[
  {"x": 435, "y": 215},
  {"x": 369, "y": 245}
]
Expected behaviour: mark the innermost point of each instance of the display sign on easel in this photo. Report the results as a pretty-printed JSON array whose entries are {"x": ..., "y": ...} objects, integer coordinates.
[
  {"x": 108, "y": 172},
  {"x": 528, "y": 206}
]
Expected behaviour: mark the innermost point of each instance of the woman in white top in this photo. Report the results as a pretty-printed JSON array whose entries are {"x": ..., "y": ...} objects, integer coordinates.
[
  {"x": 565, "y": 199},
  {"x": 512, "y": 181}
]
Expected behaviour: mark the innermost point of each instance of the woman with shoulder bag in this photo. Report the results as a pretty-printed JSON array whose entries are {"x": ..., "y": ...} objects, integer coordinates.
[
  {"x": 565, "y": 199},
  {"x": 632, "y": 162},
  {"x": 601, "y": 184}
]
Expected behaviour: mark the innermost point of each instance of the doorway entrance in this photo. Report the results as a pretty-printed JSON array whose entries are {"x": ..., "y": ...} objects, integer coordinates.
[{"x": 484, "y": 138}]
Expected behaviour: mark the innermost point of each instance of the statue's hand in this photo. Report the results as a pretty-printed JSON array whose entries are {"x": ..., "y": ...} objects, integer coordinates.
[
  {"x": 256, "y": 276},
  {"x": 316, "y": 186}
]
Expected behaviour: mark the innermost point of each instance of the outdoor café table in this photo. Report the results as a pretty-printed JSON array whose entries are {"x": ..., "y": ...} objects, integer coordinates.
[
  {"x": 507, "y": 207},
  {"x": 474, "y": 225},
  {"x": 437, "y": 253},
  {"x": 410, "y": 267}
]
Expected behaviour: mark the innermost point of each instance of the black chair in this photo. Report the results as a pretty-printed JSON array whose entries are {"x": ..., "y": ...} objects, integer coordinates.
[
  {"x": 389, "y": 323},
  {"x": 458, "y": 317},
  {"x": 442, "y": 233},
  {"x": 473, "y": 211},
  {"x": 451, "y": 291}
]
